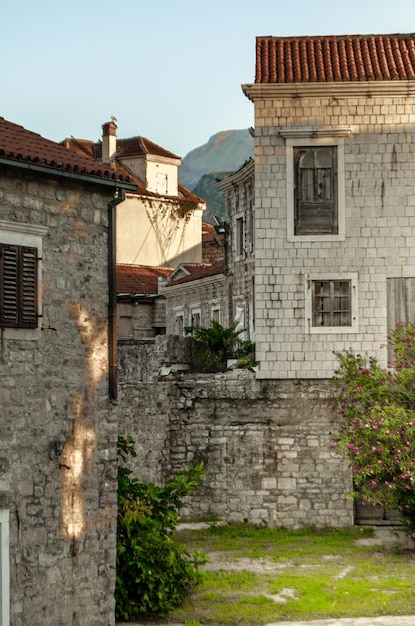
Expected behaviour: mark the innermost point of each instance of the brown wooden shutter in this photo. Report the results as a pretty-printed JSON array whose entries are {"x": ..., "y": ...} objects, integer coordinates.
[
  {"x": 315, "y": 196},
  {"x": 9, "y": 292},
  {"x": 28, "y": 287},
  {"x": 18, "y": 286}
]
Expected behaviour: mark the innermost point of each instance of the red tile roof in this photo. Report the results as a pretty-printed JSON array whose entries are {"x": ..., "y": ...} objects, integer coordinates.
[
  {"x": 132, "y": 146},
  {"x": 335, "y": 58},
  {"x": 209, "y": 234},
  {"x": 135, "y": 146},
  {"x": 139, "y": 279},
  {"x": 198, "y": 271},
  {"x": 21, "y": 145}
]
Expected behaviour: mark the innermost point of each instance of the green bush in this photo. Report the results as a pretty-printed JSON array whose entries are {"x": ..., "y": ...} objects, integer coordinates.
[
  {"x": 377, "y": 432},
  {"x": 154, "y": 572},
  {"x": 216, "y": 344}
]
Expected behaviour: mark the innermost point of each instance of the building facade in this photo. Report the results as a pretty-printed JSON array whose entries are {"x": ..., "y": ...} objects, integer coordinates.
[
  {"x": 240, "y": 246},
  {"x": 58, "y": 458},
  {"x": 334, "y": 198},
  {"x": 160, "y": 223}
]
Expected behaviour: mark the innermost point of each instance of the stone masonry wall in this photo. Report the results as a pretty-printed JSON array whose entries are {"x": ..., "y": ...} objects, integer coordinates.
[
  {"x": 379, "y": 174},
  {"x": 62, "y": 509},
  {"x": 266, "y": 445}
]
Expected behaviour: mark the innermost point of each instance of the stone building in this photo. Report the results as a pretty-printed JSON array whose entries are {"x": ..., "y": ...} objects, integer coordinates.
[
  {"x": 334, "y": 198},
  {"x": 196, "y": 294},
  {"x": 333, "y": 241},
  {"x": 160, "y": 223},
  {"x": 141, "y": 309},
  {"x": 58, "y": 429},
  {"x": 240, "y": 246}
]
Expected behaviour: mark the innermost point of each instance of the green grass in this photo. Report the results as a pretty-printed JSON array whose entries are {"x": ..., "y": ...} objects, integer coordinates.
[{"x": 321, "y": 574}]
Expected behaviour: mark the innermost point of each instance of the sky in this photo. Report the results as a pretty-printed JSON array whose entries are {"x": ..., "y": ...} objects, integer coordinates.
[{"x": 168, "y": 70}]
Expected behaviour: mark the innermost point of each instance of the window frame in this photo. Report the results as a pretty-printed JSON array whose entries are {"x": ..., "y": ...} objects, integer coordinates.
[
  {"x": 314, "y": 138},
  {"x": 310, "y": 279},
  {"x": 25, "y": 235}
]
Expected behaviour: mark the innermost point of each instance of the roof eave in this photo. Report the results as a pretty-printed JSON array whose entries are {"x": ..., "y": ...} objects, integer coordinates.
[
  {"x": 67, "y": 174},
  {"x": 334, "y": 89}
]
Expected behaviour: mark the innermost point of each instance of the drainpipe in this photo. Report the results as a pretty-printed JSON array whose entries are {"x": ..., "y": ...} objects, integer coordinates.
[{"x": 112, "y": 286}]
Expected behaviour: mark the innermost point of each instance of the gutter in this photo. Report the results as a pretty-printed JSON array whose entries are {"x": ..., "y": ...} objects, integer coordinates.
[
  {"x": 112, "y": 300},
  {"x": 58, "y": 173}
]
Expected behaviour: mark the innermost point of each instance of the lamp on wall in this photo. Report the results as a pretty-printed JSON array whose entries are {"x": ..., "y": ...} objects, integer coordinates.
[
  {"x": 221, "y": 227},
  {"x": 57, "y": 446}
]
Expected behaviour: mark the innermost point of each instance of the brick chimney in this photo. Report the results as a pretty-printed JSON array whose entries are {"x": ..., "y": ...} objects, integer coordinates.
[{"x": 109, "y": 141}]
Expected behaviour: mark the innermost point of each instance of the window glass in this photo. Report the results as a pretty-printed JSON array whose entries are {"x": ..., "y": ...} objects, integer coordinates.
[{"x": 332, "y": 303}]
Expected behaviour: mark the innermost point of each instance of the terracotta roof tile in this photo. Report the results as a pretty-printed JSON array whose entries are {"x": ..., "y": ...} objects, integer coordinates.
[
  {"x": 139, "y": 279},
  {"x": 335, "y": 58},
  {"x": 136, "y": 146},
  {"x": 198, "y": 271},
  {"x": 209, "y": 234},
  {"x": 19, "y": 144}
]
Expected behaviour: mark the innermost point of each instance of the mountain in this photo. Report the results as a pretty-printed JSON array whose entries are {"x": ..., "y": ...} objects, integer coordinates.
[
  {"x": 226, "y": 151},
  {"x": 215, "y": 199},
  {"x": 223, "y": 154}
]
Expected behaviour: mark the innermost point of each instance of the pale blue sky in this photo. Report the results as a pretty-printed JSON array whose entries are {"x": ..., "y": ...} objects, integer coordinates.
[{"x": 168, "y": 70}]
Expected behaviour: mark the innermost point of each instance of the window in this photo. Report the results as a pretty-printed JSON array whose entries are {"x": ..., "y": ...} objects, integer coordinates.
[
  {"x": 331, "y": 303},
  {"x": 161, "y": 183},
  {"x": 239, "y": 236},
  {"x": 315, "y": 183},
  {"x": 18, "y": 286},
  {"x": 215, "y": 315},
  {"x": 179, "y": 326},
  {"x": 20, "y": 279},
  {"x": 195, "y": 319},
  {"x": 315, "y": 197}
]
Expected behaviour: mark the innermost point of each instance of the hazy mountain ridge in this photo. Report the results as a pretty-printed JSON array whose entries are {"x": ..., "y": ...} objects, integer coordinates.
[{"x": 224, "y": 153}]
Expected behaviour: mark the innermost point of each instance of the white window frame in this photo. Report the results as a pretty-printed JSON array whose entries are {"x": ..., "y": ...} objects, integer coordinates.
[
  {"x": 324, "y": 330},
  {"x": 22, "y": 234},
  {"x": 5, "y": 567},
  {"x": 306, "y": 138}
]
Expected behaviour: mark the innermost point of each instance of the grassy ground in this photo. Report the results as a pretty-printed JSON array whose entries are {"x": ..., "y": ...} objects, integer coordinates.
[{"x": 259, "y": 575}]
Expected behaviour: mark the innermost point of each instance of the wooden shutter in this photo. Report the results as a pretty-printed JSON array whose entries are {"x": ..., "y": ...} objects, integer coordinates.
[
  {"x": 18, "y": 286},
  {"x": 315, "y": 196},
  {"x": 28, "y": 287}
]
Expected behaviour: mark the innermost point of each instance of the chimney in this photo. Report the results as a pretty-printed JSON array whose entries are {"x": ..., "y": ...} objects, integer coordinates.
[{"x": 109, "y": 141}]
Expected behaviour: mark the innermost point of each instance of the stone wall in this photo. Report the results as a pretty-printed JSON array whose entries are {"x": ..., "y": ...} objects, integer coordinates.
[
  {"x": 378, "y": 170},
  {"x": 55, "y": 386},
  {"x": 266, "y": 445}
]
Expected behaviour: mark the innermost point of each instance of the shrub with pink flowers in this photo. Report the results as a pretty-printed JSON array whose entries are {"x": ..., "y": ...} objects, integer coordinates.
[{"x": 377, "y": 429}]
